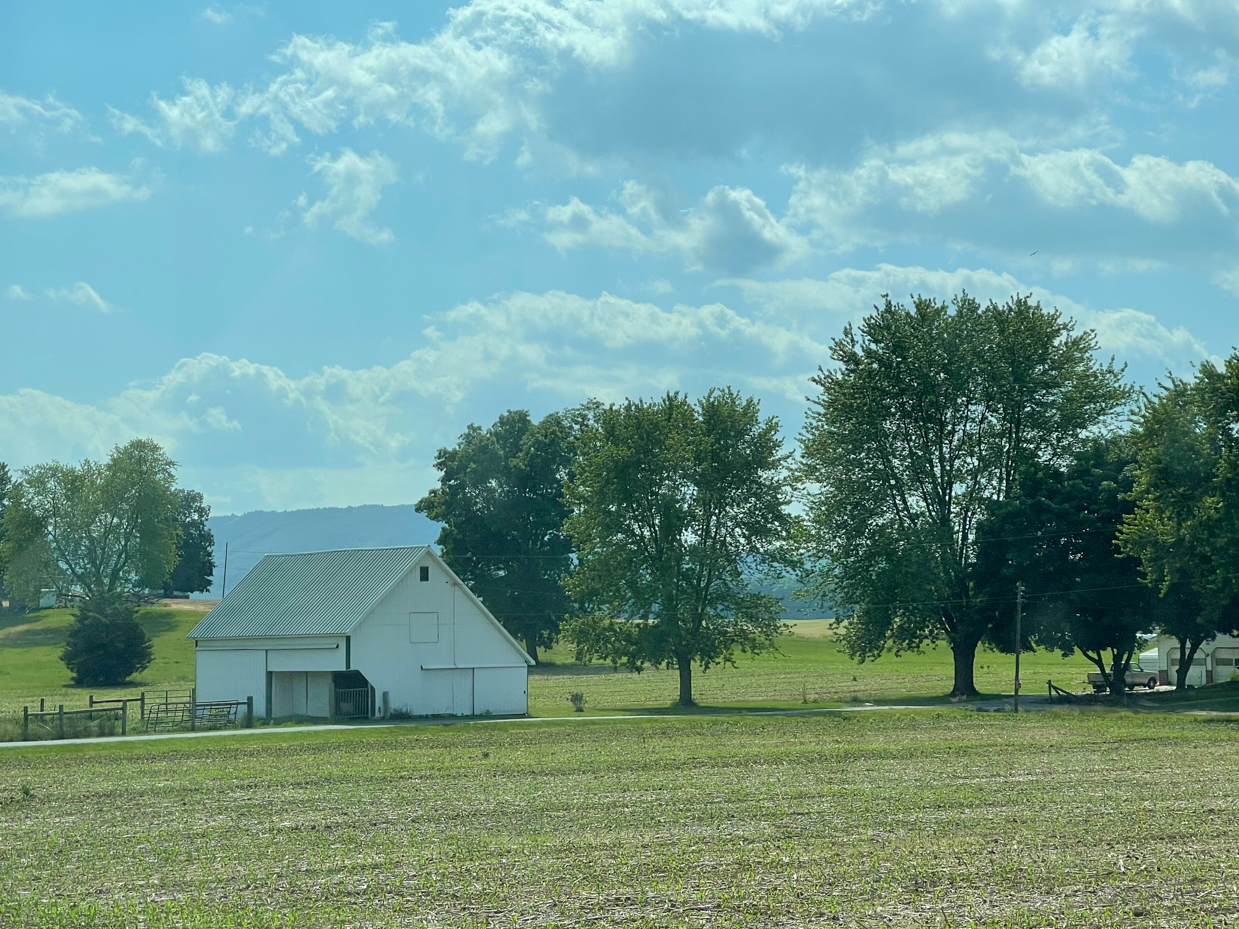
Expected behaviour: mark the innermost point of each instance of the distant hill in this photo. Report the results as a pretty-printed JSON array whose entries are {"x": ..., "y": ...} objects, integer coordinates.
[{"x": 251, "y": 535}]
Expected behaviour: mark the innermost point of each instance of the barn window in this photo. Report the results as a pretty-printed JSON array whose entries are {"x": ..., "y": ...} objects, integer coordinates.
[
  {"x": 423, "y": 627},
  {"x": 424, "y": 573}
]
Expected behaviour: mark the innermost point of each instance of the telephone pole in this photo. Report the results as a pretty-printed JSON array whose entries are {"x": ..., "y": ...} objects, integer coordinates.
[{"x": 1019, "y": 616}]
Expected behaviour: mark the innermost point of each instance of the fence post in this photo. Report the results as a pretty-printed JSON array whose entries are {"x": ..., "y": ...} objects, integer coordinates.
[
  {"x": 387, "y": 704},
  {"x": 62, "y": 720},
  {"x": 193, "y": 709},
  {"x": 331, "y": 700},
  {"x": 249, "y": 712},
  {"x": 25, "y": 723},
  {"x": 124, "y": 718},
  {"x": 40, "y": 704},
  {"x": 91, "y": 701},
  {"x": 142, "y": 706}
]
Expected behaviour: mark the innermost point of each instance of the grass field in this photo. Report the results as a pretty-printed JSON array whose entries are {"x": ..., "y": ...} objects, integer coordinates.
[
  {"x": 887, "y": 818},
  {"x": 810, "y": 667},
  {"x": 30, "y": 665}
]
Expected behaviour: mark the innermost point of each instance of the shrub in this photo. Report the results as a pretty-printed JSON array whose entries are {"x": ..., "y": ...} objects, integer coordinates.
[
  {"x": 577, "y": 700},
  {"x": 106, "y": 645}
]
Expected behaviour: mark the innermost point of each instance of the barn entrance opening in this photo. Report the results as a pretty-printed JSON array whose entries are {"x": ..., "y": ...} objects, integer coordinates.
[{"x": 354, "y": 695}]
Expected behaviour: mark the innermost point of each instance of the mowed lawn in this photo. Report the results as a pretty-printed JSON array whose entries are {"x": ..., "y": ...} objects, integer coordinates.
[
  {"x": 939, "y": 817},
  {"x": 809, "y": 667}
]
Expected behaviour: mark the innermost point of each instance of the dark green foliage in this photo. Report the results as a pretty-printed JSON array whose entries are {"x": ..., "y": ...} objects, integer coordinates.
[
  {"x": 195, "y": 550},
  {"x": 931, "y": 416},
  {"x": 675, "y": 505},
  {"x": 1185, "y": 526},
  {"x": 106, "y": 645},
  {"x": 500, "y": 499},
  {"x": 1059, "y": 538}
]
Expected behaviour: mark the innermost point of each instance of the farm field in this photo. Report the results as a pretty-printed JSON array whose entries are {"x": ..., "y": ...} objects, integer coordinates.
[
  {"x": 892, "y": 818},
  {"x": 810, "y": 668}
]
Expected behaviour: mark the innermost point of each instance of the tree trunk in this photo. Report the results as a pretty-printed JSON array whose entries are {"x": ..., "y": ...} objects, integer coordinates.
[
  {"x": 686, "y": 680},
  {"x": 1187, "y": 655},
  {"x": 965, "y": 654},
  {"x": 531, "y": 646}
]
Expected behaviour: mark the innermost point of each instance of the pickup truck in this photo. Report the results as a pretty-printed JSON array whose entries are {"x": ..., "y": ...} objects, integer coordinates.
[{"x": 1136, "y": 677}]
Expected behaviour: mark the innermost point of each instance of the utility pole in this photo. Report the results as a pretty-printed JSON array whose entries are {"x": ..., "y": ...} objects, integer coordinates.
[
  {"x": 224, "y": 591},
  {"x": 1019, "y": 616}
]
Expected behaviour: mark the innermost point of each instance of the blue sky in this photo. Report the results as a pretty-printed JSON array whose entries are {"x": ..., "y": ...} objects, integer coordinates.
[{"x": 304, "y": 246}]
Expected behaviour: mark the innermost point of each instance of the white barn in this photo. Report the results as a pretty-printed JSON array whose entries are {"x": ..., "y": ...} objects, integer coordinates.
[{"x": 352, "y": 633}]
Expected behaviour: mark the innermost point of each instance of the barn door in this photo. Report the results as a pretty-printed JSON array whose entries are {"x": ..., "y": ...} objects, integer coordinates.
[{"x": 462, "y": 691}]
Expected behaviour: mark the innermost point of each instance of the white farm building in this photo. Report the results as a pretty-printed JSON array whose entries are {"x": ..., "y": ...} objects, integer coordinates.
[
  {"x": 1216, "y": 662},
  {"x": 356, "y": 633}
]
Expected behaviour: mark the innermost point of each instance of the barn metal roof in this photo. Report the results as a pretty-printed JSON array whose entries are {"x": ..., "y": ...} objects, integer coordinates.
[{"x": 312, "y": 593}]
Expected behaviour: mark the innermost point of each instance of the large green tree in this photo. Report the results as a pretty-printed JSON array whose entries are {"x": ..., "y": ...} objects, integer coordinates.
[
  {"x": 95, "y": 529},
  {"x": 1059, "y": 538},
  {"x": 1185, "y": 525},
  {"x": 194, "y": 570},
  {"x": 500, "y": 500},
  {"x": 929, "y": 416},
  {"x": 675, "y": 505}
]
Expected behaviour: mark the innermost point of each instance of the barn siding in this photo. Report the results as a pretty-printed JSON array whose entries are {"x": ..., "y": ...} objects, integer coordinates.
[
  {"x": 232, "y": 674},
  {"x": 436, "y": 677}
]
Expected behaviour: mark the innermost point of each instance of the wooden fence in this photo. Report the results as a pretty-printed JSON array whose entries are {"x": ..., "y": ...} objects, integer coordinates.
[
  {"x": 60, "y": 713},
  {"x": 157, "y": 710}
]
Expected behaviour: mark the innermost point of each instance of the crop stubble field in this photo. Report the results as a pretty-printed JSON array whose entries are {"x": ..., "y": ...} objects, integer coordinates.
[{"x": 929, "y": 817}]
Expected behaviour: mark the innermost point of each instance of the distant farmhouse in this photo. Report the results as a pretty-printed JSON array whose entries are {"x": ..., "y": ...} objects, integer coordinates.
[{"x": 357, "y": 633}]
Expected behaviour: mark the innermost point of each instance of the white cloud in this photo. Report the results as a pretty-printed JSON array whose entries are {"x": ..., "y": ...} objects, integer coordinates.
[
  {"x": 245, "y": 426},
  {"x": 17, "y": 112},
  {"x": 17, "y": 292},
  {"x": 484, "y": 75},
  {"x": 1155, "y": 189},
  {"x": 354, "y": 188},
  {"x": 987, "y": 191},
  {"x": 214, "y": 14},
  {"x": 253, "y": 435},
  {"x": 1097, "y": 47},
  {"x": 195, "y": 119},
  {"x": 1228, "y": 279},
  {"x": 81, "y": 294},
  {"x": 849, "y": 294},
  {"x": 731, "y": 229},
  {"x": 66, "y": 192}
]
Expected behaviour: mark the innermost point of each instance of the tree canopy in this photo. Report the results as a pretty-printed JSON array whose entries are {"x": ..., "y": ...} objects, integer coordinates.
[
  {"x": 930, "y": 416},
  {"x": 194, "y": 570},
  {"x": 675, "y": 505},
  {"x": 97, "y": 528},
  {"x": 1185, "y": 524},
  {"x": 1059, "y": 538},
  {"x": 500, "y": 500}
]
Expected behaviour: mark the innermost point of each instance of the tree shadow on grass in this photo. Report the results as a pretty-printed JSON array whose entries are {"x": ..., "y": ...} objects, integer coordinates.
[
  {"x": 41, "y": 636},
  {"x": 575, "y": 670},
  {"x": 37, "y": 637}
]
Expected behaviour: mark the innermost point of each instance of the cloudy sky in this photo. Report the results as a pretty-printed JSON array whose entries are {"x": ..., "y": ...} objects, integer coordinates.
[{"x": 304, "y": 246}]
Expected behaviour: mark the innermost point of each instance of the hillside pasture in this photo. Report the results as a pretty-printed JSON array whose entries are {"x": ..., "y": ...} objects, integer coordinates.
[{"x": 938, "y": 817}]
